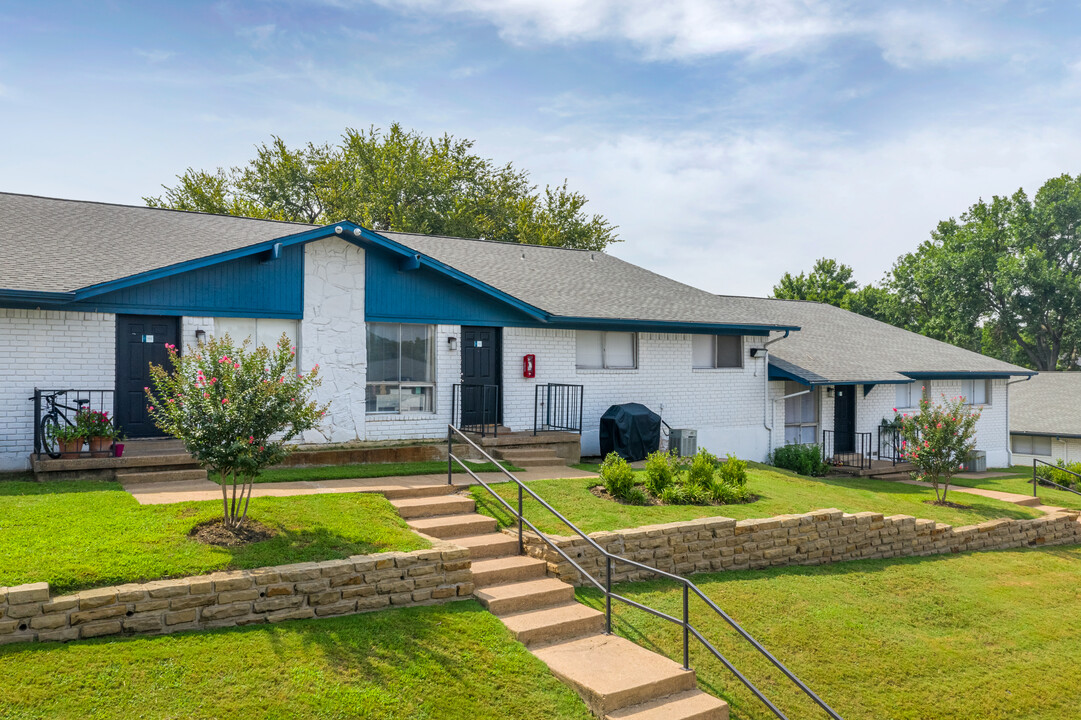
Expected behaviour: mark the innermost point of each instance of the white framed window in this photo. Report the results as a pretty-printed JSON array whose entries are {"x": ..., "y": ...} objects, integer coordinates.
[
  {"x": 401, "y": 368},
  {"x": 800, "y": 415},
  {"x": 976, "y": 392},
  {"x": 1032, "y": 444},
  {"x": 260, "y": 331},
  {"x": 716, "y": 351},
  {"x": 596, "y": 349},
  {"x": 910, "y": 394}
]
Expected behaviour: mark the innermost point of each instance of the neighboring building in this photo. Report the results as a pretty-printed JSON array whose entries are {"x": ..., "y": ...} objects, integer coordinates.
[
  {"x": 90, "y": 292},
  {"x": 1045, "y": 418},
  {"x": 843, "y": 374}
]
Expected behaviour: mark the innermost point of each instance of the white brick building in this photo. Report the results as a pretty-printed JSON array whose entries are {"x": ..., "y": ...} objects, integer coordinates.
[
  {"x": 404, "y": 327},
  {"x": 1045, "y": 419}
]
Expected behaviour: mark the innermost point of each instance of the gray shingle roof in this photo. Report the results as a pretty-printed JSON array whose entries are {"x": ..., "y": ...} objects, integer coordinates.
[
  {"x": 839, "y": 346},
  {"x": 1048, "y": 404},
  {"x": 580, "y": 283},
  {"x": 52, "y": 245}
]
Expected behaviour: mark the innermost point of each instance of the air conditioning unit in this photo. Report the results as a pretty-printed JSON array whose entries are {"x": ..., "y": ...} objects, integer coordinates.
[{"x": 683, "y": 441}]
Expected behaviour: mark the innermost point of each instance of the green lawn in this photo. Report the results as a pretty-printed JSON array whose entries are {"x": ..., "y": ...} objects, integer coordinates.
[
  {"x": 1020, "y": 482},
  {"x": 449, "y": 662},
  {"x": 86, "y": 534},
  {"x": 976, "y": 636},
  {"x": 780, "y": 492},
  {"x": 369, "y": 470}
]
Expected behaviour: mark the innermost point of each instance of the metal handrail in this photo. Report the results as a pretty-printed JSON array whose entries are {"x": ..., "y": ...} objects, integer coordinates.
[
  {"x": 606, "y": 587},
  {"x": 487, "y": 393},
  {"x": 1039, "y": 480}
]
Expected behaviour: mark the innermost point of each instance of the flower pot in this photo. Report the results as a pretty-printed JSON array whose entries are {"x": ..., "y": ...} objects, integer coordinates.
[
  {"x": 118, "y": 450},
  {"x": 100, "y": 446},
  {"x": 70, "y": 447}
]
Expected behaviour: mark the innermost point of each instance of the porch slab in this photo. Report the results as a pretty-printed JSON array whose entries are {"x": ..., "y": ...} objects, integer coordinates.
[{"x": 164, "y": 493}]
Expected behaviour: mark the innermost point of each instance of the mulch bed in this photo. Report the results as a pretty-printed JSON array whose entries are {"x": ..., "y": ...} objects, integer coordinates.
[
  {"x": 599, "y": 491},
  {"x": 214, "y": 532},
  {"x": 947, "y": 503}
]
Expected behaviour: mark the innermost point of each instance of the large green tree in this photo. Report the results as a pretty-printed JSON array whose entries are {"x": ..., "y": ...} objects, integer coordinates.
[
  {"x": 1004, "y": 278},
  {"x": 394, "y": 180},
  {"x": 828, "y": 282}
]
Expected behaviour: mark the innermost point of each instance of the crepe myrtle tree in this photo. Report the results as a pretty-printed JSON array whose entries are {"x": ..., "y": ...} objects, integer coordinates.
[
  {"x": 938, "y": 440},
  {"x": 235, "y": 410}
]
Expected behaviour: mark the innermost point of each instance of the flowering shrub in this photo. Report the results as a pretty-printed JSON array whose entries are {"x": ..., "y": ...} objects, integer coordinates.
[
  {"x": 95, "y": 423},
  {"x": 234, "y": 410},
  {"x": 938, "y": 440},
  {"x": 673, "y": 480}
]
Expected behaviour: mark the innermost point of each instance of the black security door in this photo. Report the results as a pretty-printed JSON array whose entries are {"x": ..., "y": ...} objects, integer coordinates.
[
  {"x": 140, "y": 340},
  {"x": 844, "y": 419},
  {"x": 482, "y": 375}
]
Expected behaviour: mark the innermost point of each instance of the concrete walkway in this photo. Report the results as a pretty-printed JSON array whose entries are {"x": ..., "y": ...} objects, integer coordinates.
[
  {"x": 163, "y": 493},
  {"x": 1015, "y": 498}
]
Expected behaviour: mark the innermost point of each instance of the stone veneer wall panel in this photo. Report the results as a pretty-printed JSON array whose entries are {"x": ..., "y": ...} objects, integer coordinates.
[
  {"x": 358, "y": 584},
  {"x": 823, "y": 536}
]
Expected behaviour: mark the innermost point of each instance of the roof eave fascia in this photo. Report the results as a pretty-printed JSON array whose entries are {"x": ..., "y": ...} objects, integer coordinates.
[
  {"x": 967, "y": 374},
  {"x": 1038, "y": 433},
  {"x": 663, "y": 325},
  {"x": 30, "y": 296}
]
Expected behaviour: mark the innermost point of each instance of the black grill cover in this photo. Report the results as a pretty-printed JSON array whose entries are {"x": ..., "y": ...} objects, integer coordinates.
[{"x": 632, "y": 430}]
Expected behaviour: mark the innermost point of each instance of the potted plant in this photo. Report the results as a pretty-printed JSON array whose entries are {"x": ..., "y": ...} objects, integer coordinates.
[
  {"x": 70, "y": 439},
  {"x": 99, "y": 431}
]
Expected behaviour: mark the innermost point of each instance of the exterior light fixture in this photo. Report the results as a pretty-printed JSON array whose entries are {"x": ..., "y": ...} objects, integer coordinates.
[
  {"x": 452, "y": 343},
  {"x": 200, "y": 336},
  {"x": 357, "y": 232},
  {"x": 338, "y": 230}
]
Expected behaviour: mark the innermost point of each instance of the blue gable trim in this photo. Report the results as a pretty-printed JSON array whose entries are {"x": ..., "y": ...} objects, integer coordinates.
[{"x": 425, "y": 295}]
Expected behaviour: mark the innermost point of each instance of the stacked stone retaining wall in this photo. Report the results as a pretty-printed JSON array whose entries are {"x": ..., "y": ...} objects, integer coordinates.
[
  {"x": 823, "y": 536},
  {"x": 266, "y": 595}
]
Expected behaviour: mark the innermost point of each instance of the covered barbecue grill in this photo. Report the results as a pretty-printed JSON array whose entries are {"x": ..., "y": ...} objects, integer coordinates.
[{"x": 632, "y": 430}]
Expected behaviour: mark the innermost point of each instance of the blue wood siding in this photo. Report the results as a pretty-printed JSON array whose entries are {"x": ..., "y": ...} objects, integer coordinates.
[
  {"x": 247, "y": 287},
  {"x": 425, "y": 296}
]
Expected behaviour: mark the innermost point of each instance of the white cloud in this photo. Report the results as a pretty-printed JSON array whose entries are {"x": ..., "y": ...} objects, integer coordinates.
[
  {"x": 732, "y": 214},
  {"x": 672, "y": 29},
  {"x": 690, "y": 29},
  {"x": 155, "y": 56},
  {"x": 258, "y": 35}
]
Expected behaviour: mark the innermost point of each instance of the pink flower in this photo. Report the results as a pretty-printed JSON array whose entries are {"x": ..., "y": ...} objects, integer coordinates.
[
  {"x": 895, "y": 409},
  {"x": 147, "y": 389},
  {"x": 224, "y": 401},
  {"x": 206, "y": 395},
  {"x": 151, "y": 408},
  {"x": 939, "y": 426},
  {"x": 251, "y": 439},
  {"x": 262, "y": 447},
  {"x": 236, "y": 365}
]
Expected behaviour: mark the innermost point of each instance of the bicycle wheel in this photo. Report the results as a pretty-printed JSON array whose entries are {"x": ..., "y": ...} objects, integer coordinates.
[{"x": 48, "y": 428}]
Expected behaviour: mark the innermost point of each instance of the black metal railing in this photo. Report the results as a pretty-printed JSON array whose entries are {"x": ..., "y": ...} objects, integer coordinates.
[
  {"x": 475, "y": 408},
  {"x": 889, "y": 444},
  {"x": 1036, "y": 480},
  {"x": 557, "y": 408},
  {"x": 858, "y": 457},
  {"x": 606, "y": 587},
  {"x": 56, "y": 410}
]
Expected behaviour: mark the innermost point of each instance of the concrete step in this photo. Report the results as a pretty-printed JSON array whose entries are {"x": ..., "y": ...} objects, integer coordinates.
[
  {"x": 419, "y": 491},
  {"x": 452, "y": 526},
  {"x": 498, "y": 571},
  {"x": 131, "y": 477},
  {"x": 490, "y": 545},
  {"x": 533, "y": 459},
  {"x": 434, "y": 506},
  {"x": 610, "y": 673},
  {"x": 554, "y": 624},
  {"x": 526, "y": 595},
  {"x": 691, "y": 705},
  {"x": 1027, "y": 502}
]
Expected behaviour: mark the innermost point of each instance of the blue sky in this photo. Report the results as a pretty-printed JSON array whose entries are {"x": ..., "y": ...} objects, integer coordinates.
[{"x": 730, "y": 141}]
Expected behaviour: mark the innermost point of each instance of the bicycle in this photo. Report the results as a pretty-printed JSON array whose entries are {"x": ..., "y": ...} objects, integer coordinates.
[{"x": 50, "y": 420}]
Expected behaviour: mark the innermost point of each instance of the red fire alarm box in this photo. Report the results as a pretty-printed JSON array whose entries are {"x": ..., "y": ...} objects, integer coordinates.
[{"x": 529, "y": 366}]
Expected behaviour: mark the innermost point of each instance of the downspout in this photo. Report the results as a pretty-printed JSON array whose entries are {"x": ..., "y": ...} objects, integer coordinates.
[
  {"x": 1009, "y": 443},
  {"x": 767, "y": 419}
]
